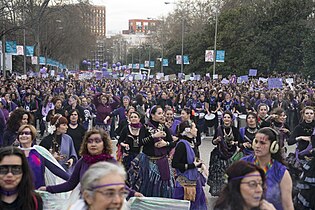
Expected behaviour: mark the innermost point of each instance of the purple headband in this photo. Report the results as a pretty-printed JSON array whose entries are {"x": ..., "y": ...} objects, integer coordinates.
[
  {"x": 152, "y": 108},
  {"x": 107, "y": 185}
]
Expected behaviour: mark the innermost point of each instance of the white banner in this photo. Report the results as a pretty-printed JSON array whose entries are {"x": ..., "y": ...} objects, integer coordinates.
[
  {"x": 34, "y": 60},
  {"x": 178, "y": 59},
  {"x": 209, "y": 56},
  {"x": 19, "y": 50}
]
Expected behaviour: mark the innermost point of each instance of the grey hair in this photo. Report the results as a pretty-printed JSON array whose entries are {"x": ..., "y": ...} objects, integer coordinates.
[{"x": 97, "y": 171}]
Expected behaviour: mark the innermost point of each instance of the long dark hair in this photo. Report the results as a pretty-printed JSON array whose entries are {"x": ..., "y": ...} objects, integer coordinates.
[
  {"x": 230, "y": 197},
  {"x": 16, "y": 117},
  {"x": 70, "y": 113},
  {"x": 25, "y": 188}
]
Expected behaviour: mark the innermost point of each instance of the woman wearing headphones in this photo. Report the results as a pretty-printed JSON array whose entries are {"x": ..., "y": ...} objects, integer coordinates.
[{"x": 267, "y": 155}]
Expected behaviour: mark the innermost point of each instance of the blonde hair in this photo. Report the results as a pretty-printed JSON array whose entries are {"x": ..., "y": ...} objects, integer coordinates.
[{"x": 31, "y": 127}]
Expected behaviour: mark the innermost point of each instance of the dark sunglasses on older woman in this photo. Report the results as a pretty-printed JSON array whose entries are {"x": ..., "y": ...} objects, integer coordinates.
[{"x": 25, "y": 133}]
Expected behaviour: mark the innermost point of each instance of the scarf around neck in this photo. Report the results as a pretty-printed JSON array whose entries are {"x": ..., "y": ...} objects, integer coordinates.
[{"x": 91, "y": 159}]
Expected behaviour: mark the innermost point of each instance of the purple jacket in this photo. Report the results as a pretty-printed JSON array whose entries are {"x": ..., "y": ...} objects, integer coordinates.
[
  {"x": 102, "y": 111},
  {"x": 79, "y": 169}
]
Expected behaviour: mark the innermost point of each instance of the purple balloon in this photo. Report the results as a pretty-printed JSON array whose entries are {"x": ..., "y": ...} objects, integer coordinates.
[
  {"x": 118, "y": 64},
  {"x": 105, "y": 64},
  {"x": 97, "y": 62},
  {"x": 97, "y": 66},
  {"x": 123, "y": 68},
  {"x": 84, "y": 62},
  {"x": 114, "y": 65},
  {"x": 104, "y": 69},
  {"x": 89, "y": 63},
  {"x": 42, "y": 71}
]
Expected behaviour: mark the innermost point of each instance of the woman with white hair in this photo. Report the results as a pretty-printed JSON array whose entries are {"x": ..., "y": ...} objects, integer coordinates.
[{"x": 102, "y": 187}]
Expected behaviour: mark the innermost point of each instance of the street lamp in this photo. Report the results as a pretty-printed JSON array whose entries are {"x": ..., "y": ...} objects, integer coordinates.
[
  {"x": 215, "y": 37},
  {"x": 182, "y": 50}
]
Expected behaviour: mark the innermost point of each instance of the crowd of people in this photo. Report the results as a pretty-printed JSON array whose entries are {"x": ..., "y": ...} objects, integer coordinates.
[{"x": 55, "y": 135}]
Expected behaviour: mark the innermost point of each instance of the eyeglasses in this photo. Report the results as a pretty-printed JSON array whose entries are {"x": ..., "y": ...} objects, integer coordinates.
[
  {"x": 253, "y": 184},
  {"x": 14, "y": 169},
  {"x": 111, "y": 194},
  {"x": 96, "y": 140},
  {"x": 26, "y": 133}
]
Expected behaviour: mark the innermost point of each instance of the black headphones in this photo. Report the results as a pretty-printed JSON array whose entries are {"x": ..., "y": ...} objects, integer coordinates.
[{"x": 274, "y": 147}]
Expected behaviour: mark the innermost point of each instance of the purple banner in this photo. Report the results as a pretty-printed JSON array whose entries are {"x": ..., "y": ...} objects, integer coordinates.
[
  {"x": 252, "y": 72},
  {"x": 274, "y": 83}
]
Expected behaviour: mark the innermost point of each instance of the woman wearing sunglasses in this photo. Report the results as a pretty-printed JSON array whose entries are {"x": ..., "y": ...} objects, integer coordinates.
[
  {"x": 39, "y": 159},
  {"x": 16, "y": 187},
  {"x": 244, "y": 189}
]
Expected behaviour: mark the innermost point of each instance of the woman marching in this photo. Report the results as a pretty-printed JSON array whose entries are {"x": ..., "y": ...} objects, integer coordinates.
[
  {"x": 301, "y": 136},
  {"x": 305, "y": 198},
  {"x": 267, "y": 155},
  {"x": 226, "y": 139},
  {"x": 16, "y": 187},
  {"x": 39, "y": 159},
  {"x": 150, "y": 171},
  {"x": 248, "y": 134},
  {"x": 189, "y": 180},
  {"x": 59, "y": 144},
  {"x": 129, "y": 139}
]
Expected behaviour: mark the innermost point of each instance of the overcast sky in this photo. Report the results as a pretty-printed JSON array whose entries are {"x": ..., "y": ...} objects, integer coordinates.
[{"x": 118, "y": 12}]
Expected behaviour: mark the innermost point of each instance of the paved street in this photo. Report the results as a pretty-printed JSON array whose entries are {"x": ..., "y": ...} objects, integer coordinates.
[{"x": 205, "y": 149}]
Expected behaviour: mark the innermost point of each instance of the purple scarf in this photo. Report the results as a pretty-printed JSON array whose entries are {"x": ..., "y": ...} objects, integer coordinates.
[
  {"x": 91, "y": 159},
  {"x": 136, "y": 125}
]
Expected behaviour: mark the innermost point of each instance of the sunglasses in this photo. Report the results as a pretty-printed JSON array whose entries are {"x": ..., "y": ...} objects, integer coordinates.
[
  {"x": 26, "y": 133},
  {"x": 14, "y": 169}
]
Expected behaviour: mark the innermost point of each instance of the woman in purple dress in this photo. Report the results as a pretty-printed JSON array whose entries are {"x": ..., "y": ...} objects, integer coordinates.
[
  {"x": 189, "y": 179},
  {"x": 267, "y": 155}
]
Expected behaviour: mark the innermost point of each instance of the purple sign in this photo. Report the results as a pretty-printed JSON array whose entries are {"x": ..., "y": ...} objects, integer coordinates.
[
  {"x": 274, "y": 83},
  {"x": 252, "y": 72},
  {"x": 242, "y": 79}
]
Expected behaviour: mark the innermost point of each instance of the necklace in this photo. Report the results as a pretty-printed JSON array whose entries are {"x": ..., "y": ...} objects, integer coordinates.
[
  {"x": 252, "y": 130},
  {"x": 266, "y": 168},
  {"x": 230, "y": 131}
]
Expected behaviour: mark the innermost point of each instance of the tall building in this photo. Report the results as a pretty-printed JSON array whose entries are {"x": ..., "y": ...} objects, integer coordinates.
[
  {"x": 96, "y": 19},
  {"x": 144, "y": 26}
]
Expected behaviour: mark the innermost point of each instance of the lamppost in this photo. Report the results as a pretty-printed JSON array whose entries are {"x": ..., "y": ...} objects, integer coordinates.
[
  {"x": 182, "y": 47},
  {"x": 215, "y": 36}
]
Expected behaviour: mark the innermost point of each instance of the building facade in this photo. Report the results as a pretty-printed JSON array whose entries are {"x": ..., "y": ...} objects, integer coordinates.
[{"x": 144, "y": 26}]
